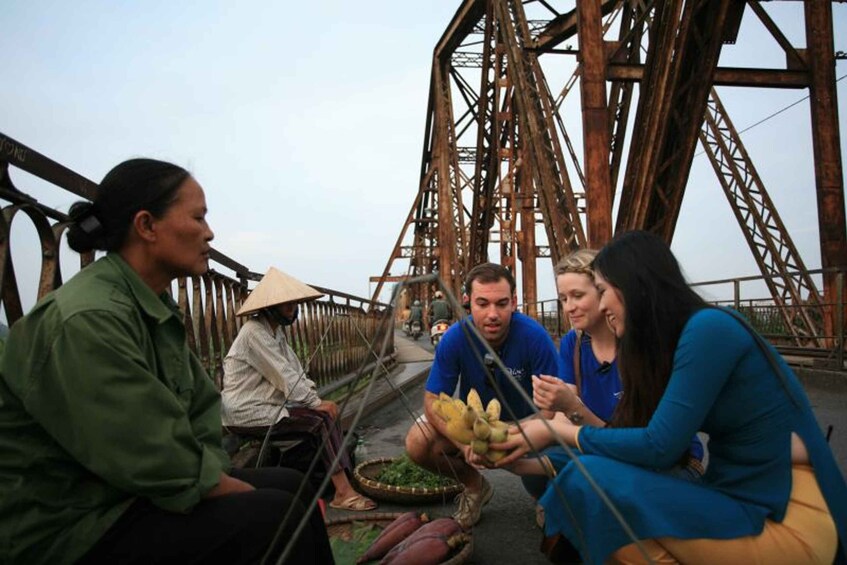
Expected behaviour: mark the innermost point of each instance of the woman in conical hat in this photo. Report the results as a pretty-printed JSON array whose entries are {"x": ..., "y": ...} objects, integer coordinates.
[{"x": 266, "y": 385}]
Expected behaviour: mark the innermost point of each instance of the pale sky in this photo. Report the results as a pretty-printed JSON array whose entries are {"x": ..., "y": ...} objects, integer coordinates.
[{"x": 304, "y": 122}]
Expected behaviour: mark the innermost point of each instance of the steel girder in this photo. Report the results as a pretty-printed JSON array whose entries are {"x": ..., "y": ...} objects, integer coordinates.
[
  {"x": 786, "y": 274},
  {"x": 513, "y": 174},
  {"x": 829, "y": 177},
  {"x": 518, "y": 179},
  {"x": 685, "y": 43}
]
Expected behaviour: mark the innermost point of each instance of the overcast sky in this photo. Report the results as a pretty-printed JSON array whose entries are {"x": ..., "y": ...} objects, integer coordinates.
[{"x": 304, "y": 122}]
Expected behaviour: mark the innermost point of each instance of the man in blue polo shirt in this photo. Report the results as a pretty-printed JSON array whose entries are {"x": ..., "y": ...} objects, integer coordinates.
[{"x": 525, "y": 349}]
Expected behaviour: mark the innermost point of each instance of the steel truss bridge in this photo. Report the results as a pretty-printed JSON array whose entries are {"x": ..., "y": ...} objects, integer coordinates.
[{"x": 499, "y": 166}]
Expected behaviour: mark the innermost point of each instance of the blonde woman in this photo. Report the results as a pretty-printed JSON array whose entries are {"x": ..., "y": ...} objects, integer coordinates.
[{"x": 590, "y": 387}]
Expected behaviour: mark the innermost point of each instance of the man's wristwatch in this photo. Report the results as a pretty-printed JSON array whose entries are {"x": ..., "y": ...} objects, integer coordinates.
[{"x": 575, "y": 417}]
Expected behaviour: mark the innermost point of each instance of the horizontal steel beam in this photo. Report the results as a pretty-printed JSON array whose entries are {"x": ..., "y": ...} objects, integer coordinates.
[{"x": 724, "y": 76}]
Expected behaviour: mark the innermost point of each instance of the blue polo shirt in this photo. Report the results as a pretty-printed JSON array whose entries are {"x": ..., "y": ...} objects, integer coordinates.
[
  {"x": 528, "y": 350},
  {"x": 600, "y": 385}
]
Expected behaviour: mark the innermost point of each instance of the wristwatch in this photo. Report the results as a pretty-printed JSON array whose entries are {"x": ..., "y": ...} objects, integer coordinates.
[{"x": 575, "y": 417}]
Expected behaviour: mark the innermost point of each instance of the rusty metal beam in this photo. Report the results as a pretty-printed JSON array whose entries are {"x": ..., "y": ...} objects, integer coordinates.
[
  {"x": 564, "y": 26},
  {"x": 794, "y": 60},
  {"x": 770, "y": 243},
  {"x": 31, "y": 161},
  {"x": 539, "y": 139},
  {"x": 829, "y": 177},
  {"x": 462, "y": 24},
  {"x": 487, "y": 144},
  {"x": 512, "y": 172},
  {"x": 449, "y": 201},
  {"x": 620, "y": 93},
  {"x": 724, "y": 76},
  {"x": 595, "y": 128},
  {"x": 685, "y": 45}
]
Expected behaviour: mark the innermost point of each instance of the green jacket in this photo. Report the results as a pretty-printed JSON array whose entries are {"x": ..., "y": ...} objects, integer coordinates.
[
  {"x": 101, "y": 402},
  {"x": 440, "y": 310}
]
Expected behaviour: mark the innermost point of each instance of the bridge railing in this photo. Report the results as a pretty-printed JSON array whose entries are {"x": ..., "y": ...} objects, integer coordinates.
[
  {"x": 332, "y": 337},
  {"x": 774, "y": 321},
  {"x": 767, "y": 317}
]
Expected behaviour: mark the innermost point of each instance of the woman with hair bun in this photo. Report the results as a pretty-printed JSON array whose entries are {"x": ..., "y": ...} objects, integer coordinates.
[{"x": 110, "y": 428}]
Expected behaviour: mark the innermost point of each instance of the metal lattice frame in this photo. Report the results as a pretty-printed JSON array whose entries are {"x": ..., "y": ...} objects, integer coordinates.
[
  {"x": 514, "y": 175},
  {"x": 766, "y": 235}
]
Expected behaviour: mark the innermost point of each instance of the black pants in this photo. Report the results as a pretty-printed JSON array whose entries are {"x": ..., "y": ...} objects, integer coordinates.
[{"x": 232, "y": 529}]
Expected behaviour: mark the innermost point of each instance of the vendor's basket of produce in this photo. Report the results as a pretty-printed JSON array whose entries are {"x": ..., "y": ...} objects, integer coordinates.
[
  {"x": 401, "y": 481},
  {"x": 398, "y": 538}
]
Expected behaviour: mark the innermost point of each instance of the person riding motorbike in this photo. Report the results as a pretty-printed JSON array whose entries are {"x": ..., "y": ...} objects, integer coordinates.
[
  {"x": 439, "y": 309},
  {"x": 414, "y": 325}
]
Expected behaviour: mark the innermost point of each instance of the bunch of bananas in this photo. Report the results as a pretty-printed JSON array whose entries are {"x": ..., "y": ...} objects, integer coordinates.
[{"x": 469, "y": 423}]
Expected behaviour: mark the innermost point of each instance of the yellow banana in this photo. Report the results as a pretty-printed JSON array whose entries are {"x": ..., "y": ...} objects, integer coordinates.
[
  {"x": 475, "y": 402},
  {"x": 499, "y": 432},
  {"x": 493, "y": 410},
  {"x": 481, "y": 429},
  {"x": 469, "y": 417},
  {"x": 449, "y": 411},
  {"x": 480, "y": 447},
  {"x": 457, "y": 431}
]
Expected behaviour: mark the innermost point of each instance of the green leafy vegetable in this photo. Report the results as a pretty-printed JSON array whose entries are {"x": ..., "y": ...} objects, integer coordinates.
[{"x": 402, "y": 472}]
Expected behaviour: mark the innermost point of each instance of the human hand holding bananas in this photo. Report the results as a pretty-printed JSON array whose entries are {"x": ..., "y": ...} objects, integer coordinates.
[
  {"x": 537, "y": 434},
  {"x": 471, "y": 424}
]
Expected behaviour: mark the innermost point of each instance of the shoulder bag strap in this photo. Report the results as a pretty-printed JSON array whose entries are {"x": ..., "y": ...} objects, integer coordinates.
[
  {"x": 767, "y": 351},
  {"x": 577, "y": 373}
]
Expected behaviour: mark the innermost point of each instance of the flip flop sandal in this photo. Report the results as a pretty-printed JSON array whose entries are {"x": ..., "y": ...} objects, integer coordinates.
[{"x": 356, "y": 502}]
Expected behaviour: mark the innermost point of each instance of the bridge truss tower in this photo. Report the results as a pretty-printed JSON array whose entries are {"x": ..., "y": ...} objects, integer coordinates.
[{"x": 500, "y": 170}]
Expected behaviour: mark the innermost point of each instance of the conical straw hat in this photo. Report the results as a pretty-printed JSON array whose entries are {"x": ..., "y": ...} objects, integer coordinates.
[{"x": 277, "y": 288}]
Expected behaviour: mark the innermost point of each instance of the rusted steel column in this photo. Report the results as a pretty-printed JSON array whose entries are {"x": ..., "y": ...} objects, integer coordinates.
[
  {"x": 445, "y": 154},
  {"x": 825, "y": 140},
  {"x": 595, "y": 128},
  {"x": 527, "y": 255}
]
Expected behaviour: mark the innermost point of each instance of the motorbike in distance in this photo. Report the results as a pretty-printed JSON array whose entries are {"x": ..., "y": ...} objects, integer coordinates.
[
  {"x": 437, "y": 330},
  {"x": 413, "y": 329}
]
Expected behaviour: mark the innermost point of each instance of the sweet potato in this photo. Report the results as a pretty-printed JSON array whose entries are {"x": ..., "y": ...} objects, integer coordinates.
[{"x": 394, "y": 533}]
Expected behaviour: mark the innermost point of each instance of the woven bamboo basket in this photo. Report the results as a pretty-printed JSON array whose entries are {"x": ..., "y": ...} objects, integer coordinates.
[
  {"x": 365, "y": 475},
  {"x": 343, "y": 528}
]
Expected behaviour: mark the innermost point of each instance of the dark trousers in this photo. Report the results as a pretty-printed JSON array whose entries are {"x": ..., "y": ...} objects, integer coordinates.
[{"x": 232, "y": 529}]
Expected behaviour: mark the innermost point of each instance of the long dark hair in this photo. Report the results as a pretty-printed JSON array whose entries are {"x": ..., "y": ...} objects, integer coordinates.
[
  {"x": 657, "y": 302},
  {"x": 132, "y": 186}
]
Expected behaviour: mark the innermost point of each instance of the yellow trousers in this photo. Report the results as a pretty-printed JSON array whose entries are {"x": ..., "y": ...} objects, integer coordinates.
[{"x": 806, "y": 535}]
